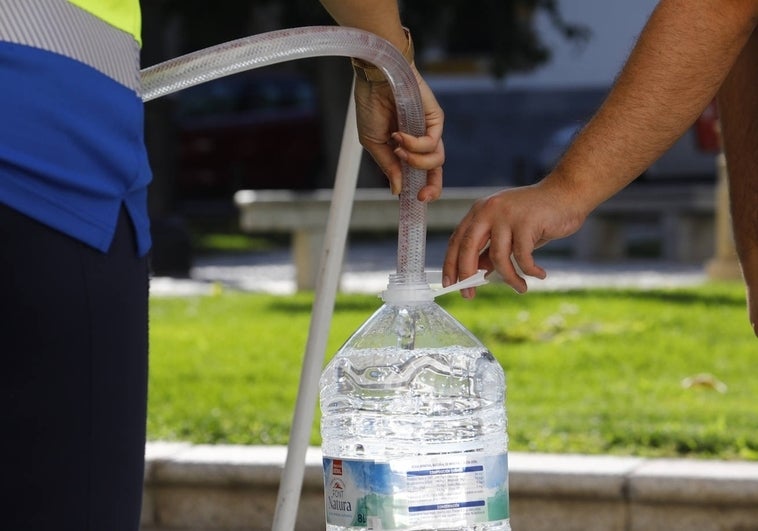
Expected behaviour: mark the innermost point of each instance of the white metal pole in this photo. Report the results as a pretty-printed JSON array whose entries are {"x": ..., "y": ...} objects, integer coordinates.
[{"x": 327, "y": 284}]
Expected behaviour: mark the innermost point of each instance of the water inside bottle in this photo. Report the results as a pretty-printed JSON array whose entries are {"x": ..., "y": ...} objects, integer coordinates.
[
  {"x": 415, "y": 439},
  {"x": 389, "y": 399}
]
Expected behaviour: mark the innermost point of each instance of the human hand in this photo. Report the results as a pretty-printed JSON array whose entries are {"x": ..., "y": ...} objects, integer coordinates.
[
  {"x": 377, "y": 130},
  {"x": 501, "y": 231}
]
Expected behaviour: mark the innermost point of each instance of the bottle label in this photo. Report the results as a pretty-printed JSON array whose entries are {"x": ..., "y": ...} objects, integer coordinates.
[{"x": 450, "y": 490}]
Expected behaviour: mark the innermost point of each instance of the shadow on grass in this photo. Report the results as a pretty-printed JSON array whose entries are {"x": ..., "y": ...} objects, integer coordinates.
[
  {"x": 303, "y": 303},
  {"x": 367, "y": 303},
  {"x": 673, "y": 296},
  {"x": 684, "y": 443}
]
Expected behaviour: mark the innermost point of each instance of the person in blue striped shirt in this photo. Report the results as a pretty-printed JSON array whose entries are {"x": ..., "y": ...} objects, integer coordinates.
[{"x": 74, "y": 238}]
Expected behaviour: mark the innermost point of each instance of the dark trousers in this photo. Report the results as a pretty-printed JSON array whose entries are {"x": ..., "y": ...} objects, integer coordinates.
[{"x": 73, "y": 379}]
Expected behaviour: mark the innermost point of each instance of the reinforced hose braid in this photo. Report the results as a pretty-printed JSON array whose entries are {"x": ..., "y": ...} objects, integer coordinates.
[{"x": 315, "y": 41}]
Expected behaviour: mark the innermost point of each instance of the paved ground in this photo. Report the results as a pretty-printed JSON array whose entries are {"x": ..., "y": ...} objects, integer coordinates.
[{"x": 367, "y": 266}]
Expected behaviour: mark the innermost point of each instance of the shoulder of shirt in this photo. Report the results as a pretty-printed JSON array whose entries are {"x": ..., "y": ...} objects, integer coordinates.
[{"x": 122, "y": 14}]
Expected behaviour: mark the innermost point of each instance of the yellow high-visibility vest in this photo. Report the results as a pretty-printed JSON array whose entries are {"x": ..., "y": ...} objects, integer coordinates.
[
  {"x": 123, "y": 14},
  {"x": 70, "y": 75}
]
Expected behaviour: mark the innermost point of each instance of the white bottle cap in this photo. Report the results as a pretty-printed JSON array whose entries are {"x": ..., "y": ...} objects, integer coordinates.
[{"x": 414, "y": 292}]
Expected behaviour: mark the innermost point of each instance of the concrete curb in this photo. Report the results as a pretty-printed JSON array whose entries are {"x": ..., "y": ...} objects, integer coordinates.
[{"x": 233, "y": 488}]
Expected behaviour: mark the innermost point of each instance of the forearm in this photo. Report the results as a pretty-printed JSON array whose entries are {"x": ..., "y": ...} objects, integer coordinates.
[
  {"x": 381, "y": 17},
  {"x": 681, "y": 58},
  {"x": 738, "y": 108}
]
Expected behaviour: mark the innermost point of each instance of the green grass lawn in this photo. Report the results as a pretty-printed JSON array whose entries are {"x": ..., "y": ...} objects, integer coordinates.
[{"x": 591, "y": 371}]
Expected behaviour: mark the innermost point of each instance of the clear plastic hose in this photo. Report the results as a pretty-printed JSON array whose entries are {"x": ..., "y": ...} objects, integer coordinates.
[{"x": 299, "y": 43}]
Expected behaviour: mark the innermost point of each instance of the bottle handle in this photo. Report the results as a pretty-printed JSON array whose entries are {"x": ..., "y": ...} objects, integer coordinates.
[{"x": 474, "y": 280}]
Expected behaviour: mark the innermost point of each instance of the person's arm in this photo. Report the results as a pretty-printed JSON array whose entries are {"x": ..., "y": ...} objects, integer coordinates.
[
  {"x": 375, "y": 108},
  {"x": 682, "y": 56},
  {"x": 738, "y": 108},
  {"x": 381, "y": 17}
]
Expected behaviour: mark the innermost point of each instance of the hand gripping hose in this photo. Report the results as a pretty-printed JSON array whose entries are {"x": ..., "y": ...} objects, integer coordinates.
[
  {"x": 286, "y": 45},
  {"x": 298, "y": 43}
]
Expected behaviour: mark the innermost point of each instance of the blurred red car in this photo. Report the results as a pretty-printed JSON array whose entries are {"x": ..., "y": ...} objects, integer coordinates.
[{"x": 253, "y": 130}]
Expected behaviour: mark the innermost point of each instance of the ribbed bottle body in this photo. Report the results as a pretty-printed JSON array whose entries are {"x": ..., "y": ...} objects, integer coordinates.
[{"x": 414, "y": 438}]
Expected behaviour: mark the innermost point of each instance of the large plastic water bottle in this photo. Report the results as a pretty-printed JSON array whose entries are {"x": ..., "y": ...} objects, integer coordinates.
[{"x": 413, "y": 424}]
